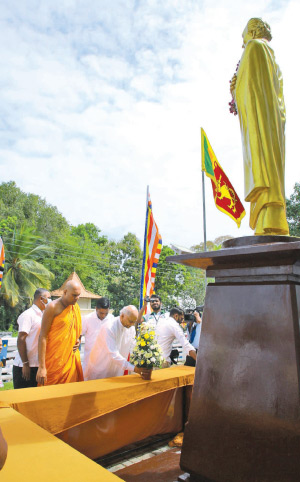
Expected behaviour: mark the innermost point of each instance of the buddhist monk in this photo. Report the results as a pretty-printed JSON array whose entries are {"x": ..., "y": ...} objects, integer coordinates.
[
  {"x": 59, "y": 357},
  {"x": 258, "y": 93}
]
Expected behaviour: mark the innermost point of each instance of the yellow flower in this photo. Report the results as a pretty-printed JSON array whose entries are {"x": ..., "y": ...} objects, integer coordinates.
[
  {"x": 151, "y": 333},
  {"x": 143, "y": 343},
  {"x": 142, "y": 362},
  {"x": 146, "y": 336}
]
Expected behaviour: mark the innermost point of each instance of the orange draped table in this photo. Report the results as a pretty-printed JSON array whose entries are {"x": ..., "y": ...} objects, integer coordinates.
[
  {"x": 34, "y": 455},
  {"x": 74, "y": 411}
]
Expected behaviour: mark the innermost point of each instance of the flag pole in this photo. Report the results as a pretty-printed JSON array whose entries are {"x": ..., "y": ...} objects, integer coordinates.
[
  {"x": 144, "y": 253},
  {"x": 204, "y": 219},
  {"x": 203, "y": 201},
  {"x": 204, "y": 212}
]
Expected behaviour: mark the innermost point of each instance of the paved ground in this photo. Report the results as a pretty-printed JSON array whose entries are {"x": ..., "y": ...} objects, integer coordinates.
[{"x": 161, "y": 465}]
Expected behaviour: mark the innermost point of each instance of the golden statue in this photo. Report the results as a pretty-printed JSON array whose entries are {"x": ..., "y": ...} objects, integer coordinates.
[{"x": 257, "y": 91}]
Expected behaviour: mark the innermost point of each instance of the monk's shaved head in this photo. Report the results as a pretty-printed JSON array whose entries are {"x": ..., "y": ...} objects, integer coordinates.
[
  {"x": 71, "y": 293},
  {"x": 72, "y": 284}
]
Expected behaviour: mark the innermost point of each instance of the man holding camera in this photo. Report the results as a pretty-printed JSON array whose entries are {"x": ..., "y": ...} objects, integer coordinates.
[
  {"x": 167, "y": 330},
  {"x": 157, "y": 312},
  {"x": 194, "y": 324}
]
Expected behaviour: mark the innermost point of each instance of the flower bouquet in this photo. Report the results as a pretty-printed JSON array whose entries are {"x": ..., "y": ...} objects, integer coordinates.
[{"x": 147, "y": 353}]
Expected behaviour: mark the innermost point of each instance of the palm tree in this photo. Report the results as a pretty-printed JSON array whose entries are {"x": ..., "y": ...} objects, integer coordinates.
[{"x": 23, "y": 271}]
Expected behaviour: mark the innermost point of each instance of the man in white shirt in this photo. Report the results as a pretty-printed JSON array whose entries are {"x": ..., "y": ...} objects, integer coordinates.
[
  {"x": 167, "y": 330},
  {"x": 116, "y": 338},
  {"x": 91, "y": 325},
  {"x": 26, "y": 362},
  {"x": 157, "y": 313}
]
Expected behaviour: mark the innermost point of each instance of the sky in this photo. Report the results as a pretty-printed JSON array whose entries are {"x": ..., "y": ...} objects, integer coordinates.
[{"x": 100, "y": 99}]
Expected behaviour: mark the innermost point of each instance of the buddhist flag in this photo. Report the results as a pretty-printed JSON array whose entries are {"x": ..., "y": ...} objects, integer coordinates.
[
  {"x": 225, "y": 196},
  {"x": 152, "y": 249},
  {"x": 2, "y": 260}
]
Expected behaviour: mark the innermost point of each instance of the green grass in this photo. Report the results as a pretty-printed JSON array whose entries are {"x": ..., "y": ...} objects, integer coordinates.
[{"x": 7, "y": 386}]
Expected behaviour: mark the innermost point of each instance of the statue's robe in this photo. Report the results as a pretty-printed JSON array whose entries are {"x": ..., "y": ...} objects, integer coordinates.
[
  {"x": 63, "y": 365},
  {"x": 261, "y": 110}
]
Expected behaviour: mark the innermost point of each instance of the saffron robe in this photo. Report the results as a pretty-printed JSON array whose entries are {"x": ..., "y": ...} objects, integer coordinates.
[
  {"x": 63, "y": 365},
  {"x": 261, "y": 110}
]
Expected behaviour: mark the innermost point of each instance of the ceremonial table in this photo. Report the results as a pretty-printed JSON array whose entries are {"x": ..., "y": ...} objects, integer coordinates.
[{"x": 95, "y": 417}]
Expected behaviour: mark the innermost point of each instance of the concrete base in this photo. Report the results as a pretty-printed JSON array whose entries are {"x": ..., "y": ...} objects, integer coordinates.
[{"x": 244, "y": 421}]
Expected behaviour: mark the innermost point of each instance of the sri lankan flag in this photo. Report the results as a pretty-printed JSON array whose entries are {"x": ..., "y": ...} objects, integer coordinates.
[
  {"x": 2, "y": 260},
  {"x": 152, "y": 249},
  {"x": 225, "y": 196}
]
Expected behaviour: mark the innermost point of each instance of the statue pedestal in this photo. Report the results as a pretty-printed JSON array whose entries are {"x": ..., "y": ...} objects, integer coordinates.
[{"x": 244, "y": 420}]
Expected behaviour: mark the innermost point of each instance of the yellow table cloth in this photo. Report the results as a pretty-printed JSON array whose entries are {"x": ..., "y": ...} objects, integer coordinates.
[
  {"x": 34, "y": 455},
  {"x": 59, "y": 407}
]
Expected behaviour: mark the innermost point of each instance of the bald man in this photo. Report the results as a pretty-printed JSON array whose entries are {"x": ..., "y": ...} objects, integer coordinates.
[
  {"x": 115, "y": 340},
  {"x": 59, "y": 357}
]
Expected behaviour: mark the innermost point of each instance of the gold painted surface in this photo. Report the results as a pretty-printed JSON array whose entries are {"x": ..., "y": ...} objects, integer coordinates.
[
  {"x": 259, "y": 98},
  {"x": 37, "y": 456},
  {"x": 60, "y": 407}
]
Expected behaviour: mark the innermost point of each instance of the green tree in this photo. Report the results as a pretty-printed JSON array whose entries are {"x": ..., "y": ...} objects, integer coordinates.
[
  {"x": 106, "y": 267},
  {"x": 7, "y": 225},
  {"x": 91, "y": 232},
  {"x": 193, "y": 292},
  {"x": 171, "y": 280},
  {"x": 293, "y": 211},
  {"x": 125, "y": 272},
  {"x": 211, "y": 245},
  {"x": 88, "y": 256},
  {"x": 23, "y": 272},
  {"x": 8, "y": 315},
  {"x": 32, "y": 209}
]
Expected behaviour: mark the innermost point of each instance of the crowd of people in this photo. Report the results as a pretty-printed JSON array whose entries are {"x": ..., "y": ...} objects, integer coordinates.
[{"x": 50, "y": 334}]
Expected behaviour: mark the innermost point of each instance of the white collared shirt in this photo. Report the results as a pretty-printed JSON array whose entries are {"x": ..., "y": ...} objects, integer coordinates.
[
  {"x": 91, "y": 325},
  {"x": 108, "y": 357},
  {"x": 152, "y": 319},
  {"x": 30, "y": 322},
  {"x": 167, "y": 330}
]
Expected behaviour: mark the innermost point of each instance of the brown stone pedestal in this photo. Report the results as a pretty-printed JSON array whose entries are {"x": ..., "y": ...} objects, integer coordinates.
[{"x": 244, "y": 421}]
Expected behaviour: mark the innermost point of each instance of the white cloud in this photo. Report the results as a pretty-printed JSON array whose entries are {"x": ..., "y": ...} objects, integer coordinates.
[{"x": 100, "y": 100}]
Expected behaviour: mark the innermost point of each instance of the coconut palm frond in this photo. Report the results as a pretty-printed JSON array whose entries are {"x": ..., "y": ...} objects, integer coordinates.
[
  {"x": 34, "y": 275},
  {"x": 39, "y": 251},
  {"x": 22, "y": 262},
  {"x": 32, "y": 266},
  {"x": 10, "y": 288}
]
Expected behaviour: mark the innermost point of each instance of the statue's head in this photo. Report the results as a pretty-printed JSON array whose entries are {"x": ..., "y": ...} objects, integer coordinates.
[{"x": 256, "y": 28}]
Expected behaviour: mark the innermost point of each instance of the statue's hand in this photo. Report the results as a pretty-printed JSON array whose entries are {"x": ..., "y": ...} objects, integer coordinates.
[{"x": 232, "y": 84}]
